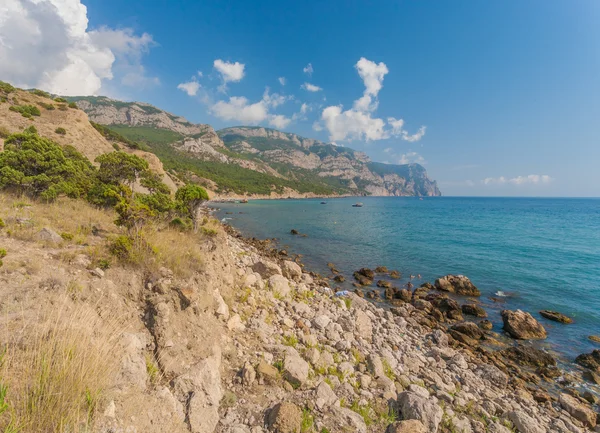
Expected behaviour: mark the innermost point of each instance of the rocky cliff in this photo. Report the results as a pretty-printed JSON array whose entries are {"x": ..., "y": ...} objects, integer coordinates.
[{"x": 272, "y": 162}]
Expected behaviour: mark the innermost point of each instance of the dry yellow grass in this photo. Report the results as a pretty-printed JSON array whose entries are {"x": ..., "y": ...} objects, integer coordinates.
[{"x": 54, "y": 374}]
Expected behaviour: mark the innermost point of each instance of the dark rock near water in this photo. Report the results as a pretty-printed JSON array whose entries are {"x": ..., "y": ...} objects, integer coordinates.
[
  {"x": 591, "y": 376},
  {"x": 473, "y": 310},
  {"x": 590, "y": 360},
  {"x": 384, "y": 284},
  {"x": 362, "y": 280},
  {"x": 556, "y": 316},
  {"x": 381, "y": 270},
  {"x": 422, "y": 304},
  {"x": 294, "y": 232},
  {"x": 549, "y": 372},
  {"x": 455, "y": 315},
  {"x": 395, "y": 275},
  {"x": 469, "y": 329},
  {"x": 594, "y": 338},
  {"x": 458, "y": 284},
  {"x": 522, "y": 325},
  {"x": 405, "y": 295},
  {"x": 339, "y": 279},
  {"x": 529, "y": 356},
  {"x": 486, "y": 325},
  {"x": 390, "y": 293},
  {"x": 366, "y": 272},
  {"x": 446, "y": 304}
]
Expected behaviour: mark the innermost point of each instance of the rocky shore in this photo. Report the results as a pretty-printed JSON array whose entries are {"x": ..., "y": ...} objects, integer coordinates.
[{"x": 307, "y": 359}]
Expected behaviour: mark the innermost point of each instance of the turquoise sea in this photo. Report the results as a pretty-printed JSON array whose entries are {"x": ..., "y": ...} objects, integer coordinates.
[{"x": 542, "y": 253}]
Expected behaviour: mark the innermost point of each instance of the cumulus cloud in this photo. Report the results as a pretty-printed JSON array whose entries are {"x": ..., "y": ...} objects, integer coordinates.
[
  {"x": 282, "y": 81},
  {"x": 311, "y": 87},
  {"x": 411, "y": 158},
  {"x": 308, "y": 69},
  {"x": 239, "y": 109},
  {"x": 47, "y": 44},
  {"x": 359, "y": 122},
  {"x": 532, "y": 179},
  {"x": 190, "y": 87},
  {"x": 305, "y": 108},
  {"x": 230, "y": 72}
]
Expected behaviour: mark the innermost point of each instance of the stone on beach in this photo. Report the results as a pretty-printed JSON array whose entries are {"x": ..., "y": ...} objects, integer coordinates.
[
  {"x": 522, "y": 325},
  {"x": 578, "y": 410}
]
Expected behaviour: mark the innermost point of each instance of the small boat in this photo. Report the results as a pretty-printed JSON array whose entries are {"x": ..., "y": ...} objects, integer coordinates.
[
  {"x": 323, "y": 202},
  {"x": 357, "y": 205}
]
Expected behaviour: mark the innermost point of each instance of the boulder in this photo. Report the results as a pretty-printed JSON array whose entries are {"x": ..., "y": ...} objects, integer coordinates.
[
  {"x": 590, "y": 360},
  {"x": 267, "y": 371},
  {"x": 446, "y": 304},
  {"x": 384, "y": 284},
  {"x": 591, "y": 376},
  {"x": 458, "y": 284},
  {"x": 294, "y": 232},
  {"x": 422, "y": 304},
  {"x": 395, "y": 275},
  {"x": 49, "y": 235},
  {"x": 524, "y": 423},
  {"x": 530, "y": 356},
  {"x": 248, "y": 374},
  {"x": 339, "y": 279},
  {"x": 324, "y": 396},
  {"x": 362, "y": 280},
  {"x": 292, "y": 270},
  {"x": 295, "y": 370},
  {"x": 578, "y": 410},
  {"x": 349, "y": 421},
  {"x": 556, "y": 316},
  {"x": 522, "y": 325},
  {"x": 375, "y": 366},
  {"x": 493, "y": 374},
  {"x": 363, "y": 326},
  {"x": 473, "y": 310},
  {"x": 279, "y": 285},
  {"x": 320, "y": 322},
  {"x": 408, "y": 426},
  {"x": 366, "y": 272},
  {"x": 594, "y": 338},
  {"x": 486, "y": 325},
  {"x": 469, "y": 329},
  {"x": 381, "y": 270},
  {"x": 266, "y": 269},
  {"x": 404, "y": 295},
  {"x": 413, "y": 406},
  {"x": 285, "y": 418}
]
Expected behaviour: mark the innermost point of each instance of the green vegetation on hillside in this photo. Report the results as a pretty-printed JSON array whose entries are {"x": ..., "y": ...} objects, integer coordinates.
[
  {"x": 146, "y": 134},
  {"x": 113, "y": 136}
]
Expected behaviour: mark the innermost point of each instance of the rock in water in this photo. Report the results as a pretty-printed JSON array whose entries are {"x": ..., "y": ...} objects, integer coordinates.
[
  {"x": 366, "y": 272},
  {"x": 556, "y": 316},
  {"x": 458, "y": 284},
  {"x": 527, "y": 355},
  {"x": 590, "y": 360},
  {"x": 522, "y": 325},
  {"x": 595, "y": 338},
  {"x": 474, "y": 310}
]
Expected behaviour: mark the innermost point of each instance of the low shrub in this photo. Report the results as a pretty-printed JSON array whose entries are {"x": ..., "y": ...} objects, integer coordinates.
[
  {"x": 48, "y": 107},
  {"x": 41, "y": 93},
  {"x": 121, "y": 247},
  {"x": 26, "y": 110},
  {"x": 6, "y": 87},
  {"x": 73, "y": 105},
  {"x": 4, "y": 132},
  {"x": 60, "y": 131},
  {"x": 60, "y": 99}
]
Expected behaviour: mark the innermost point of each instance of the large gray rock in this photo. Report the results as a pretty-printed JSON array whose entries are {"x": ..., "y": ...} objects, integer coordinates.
[
  {"x": 578, "y": 410},
  {"x": 200, "y": 391},
  {"x": 524, "y": 423},
  {"x": 522, "y": 325},
  {"x": 295, "y": 369},
  {"x": 375, "y": 366},
  {"x": 414, "y": 406},
  {"x": 493, "y": 374},
  {"x": 458, "y": 284},
  {"x": 349, "y": 420},
  {"x": 292, "y": 270},
  {"x": 49, "y": 235},
  {"x": 266, "y": 269},
  {"x": 363, "y": 326},
  {"x": 279, "y": 285},
  {"x": 324, "y": 396}
]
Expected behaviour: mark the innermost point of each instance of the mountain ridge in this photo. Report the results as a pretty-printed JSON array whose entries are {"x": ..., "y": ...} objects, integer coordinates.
[{"x": 288, "y": 163}]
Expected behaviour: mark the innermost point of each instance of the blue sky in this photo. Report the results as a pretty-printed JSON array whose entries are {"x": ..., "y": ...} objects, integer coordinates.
[{"x": 508, "y": 92}]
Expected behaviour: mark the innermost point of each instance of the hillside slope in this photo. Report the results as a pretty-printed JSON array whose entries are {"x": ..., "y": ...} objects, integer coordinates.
[
  {"x": 64, "y": 124},
  {"x": 255, "y": 161}
]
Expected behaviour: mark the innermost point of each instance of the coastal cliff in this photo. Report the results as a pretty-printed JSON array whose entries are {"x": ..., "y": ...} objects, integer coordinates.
[{"x": 255, "y": 161}]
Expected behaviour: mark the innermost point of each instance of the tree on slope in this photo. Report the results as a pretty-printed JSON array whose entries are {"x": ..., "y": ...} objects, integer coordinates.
[{"x": 190, "y": 198}]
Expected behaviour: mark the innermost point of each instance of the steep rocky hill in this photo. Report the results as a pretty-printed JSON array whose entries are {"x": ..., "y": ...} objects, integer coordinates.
[{"x": 255, "y": 161}]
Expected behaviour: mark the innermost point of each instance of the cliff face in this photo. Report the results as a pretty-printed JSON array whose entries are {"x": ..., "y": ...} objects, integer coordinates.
[{"x": 285, "y": 161}]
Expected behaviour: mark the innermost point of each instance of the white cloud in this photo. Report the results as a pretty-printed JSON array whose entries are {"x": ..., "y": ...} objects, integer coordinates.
[
  {"x": 190, "y": 87},
  {"x": 304, "y": 108},
  {"x": 279, "y": 121},
  {"x": 358, "y": 123},
  {"x": 308, "y": 69},
  {"x": 46, "y": 44},
  {"x": 230, "y": 72},
  {"x": 282, "y": 81},
  {"x": 311, "y": 87},
  {"x": 200, "y": 74},
  {"x": 411, "y": 158},
  {"x": 239, "y": 109},
  {"x": 532, "y": 179}
]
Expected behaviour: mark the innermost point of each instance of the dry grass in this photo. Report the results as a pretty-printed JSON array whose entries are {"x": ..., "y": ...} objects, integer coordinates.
[
  {"x": 74, "y": 219},
  {"x": 55, "y": 374}
]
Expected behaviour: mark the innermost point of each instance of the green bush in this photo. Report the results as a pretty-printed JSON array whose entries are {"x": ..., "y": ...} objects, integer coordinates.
[
  {"x": 4, "y": 132},
  {"x": 189, "y": 199},
  {"x": 182, "y": 224},
  {"x": 6, "y": 87},
  {"x": 113, "y": 136},
  {"x": 73, "y": 105},
  {"x": 48, "y": 107},
  {"x": 63, "y": 107},
  {"x": 66, "y": 236},
  {"x": 121, "y": 247},
  {"x": 60, "y": 131},
  {"x": 2, "y": 255},
  {"x": 60, "y": 99},
  {"x": 30, "y": 130},
  {"x": 26, "y": 110},
  {"x": 2, "y": 223},
  {"x": 41, "y": 93}
]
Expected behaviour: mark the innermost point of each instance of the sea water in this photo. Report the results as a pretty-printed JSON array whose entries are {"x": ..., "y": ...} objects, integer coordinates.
[{"x": 528, "y": 253}]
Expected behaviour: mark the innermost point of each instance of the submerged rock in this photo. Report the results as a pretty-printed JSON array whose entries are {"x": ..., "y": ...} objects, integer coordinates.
[
  {"x": 381, "y": 270},
  {"x": 595, "y": 338},
  {"x": 522, "y": 325},
  {"x": 556, "y": 316},
  {"x": 384, "y": 284},
  {"x": 590, "y": 360},
  {"x": 458, "y": 284},
  {"x": 362, "y": 279},
  {"x": 395, "y": 275}
]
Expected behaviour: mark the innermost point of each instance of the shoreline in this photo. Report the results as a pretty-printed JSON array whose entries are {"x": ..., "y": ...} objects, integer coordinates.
[{"x": 540, "y": 398}]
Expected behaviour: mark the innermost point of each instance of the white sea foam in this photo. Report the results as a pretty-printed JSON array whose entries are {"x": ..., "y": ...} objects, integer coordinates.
[{"x": 501, "y": 294}]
